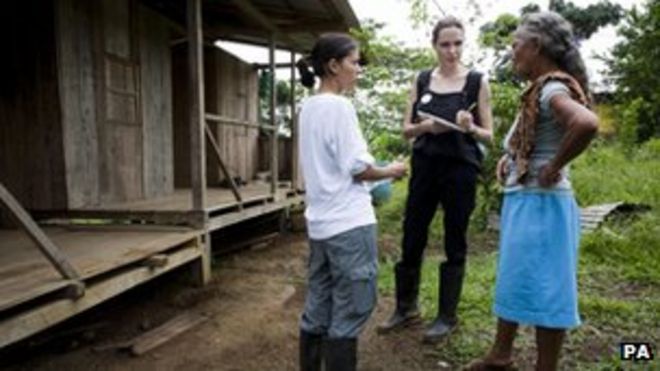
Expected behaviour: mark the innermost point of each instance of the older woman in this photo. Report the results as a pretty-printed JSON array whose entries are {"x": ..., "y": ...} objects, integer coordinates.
[{"x": 537, "y": 269}]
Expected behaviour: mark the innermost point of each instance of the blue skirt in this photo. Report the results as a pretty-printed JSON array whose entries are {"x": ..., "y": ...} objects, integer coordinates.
[{"x": 537, "y": 268}]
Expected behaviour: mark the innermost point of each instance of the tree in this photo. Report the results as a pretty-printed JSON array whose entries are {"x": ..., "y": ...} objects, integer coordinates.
[
  {"x": 383, "y": 88},
  {"x": 586, "y": 21},
  {"x": 633, "y": 67},
  {"x": 496, "y": 35}
]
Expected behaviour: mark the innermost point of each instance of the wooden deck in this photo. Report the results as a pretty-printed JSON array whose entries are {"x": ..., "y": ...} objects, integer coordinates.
[
  {"x": 110, "y": 260},
  {"x": 221, "y": 207},
  {"x": 115, "y": 255}
]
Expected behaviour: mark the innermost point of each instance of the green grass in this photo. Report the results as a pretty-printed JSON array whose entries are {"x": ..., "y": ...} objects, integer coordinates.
[{"x": 619, "y": 271}]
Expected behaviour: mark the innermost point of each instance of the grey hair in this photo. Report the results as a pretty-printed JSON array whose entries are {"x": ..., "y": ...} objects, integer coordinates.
[{"x": 554, "y": 35}]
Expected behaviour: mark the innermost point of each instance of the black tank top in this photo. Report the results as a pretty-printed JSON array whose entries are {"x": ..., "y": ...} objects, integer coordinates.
[{"x": 452, "y": 144}]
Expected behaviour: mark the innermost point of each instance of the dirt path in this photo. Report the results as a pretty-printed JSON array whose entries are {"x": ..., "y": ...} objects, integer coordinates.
[{"x": 253, "y": 304}]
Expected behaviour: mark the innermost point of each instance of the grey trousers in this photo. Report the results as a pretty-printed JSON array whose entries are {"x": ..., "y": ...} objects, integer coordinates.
[{"x": 342, "y": 283}]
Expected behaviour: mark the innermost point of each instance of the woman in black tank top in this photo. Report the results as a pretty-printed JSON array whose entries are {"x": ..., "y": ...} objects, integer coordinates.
[{"x": 445, "y": 163}]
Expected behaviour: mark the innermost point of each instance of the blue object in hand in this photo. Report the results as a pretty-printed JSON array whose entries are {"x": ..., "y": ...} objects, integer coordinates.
[{"x": 381, "y": 191}]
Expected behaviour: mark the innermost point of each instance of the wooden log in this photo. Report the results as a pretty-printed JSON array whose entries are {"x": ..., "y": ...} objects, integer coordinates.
[{"x": 166, "y": 332}]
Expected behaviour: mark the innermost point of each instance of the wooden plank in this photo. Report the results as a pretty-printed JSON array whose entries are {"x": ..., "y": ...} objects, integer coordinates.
[
  {"x": 156, "y": 88},
  {"x": 24, "y": 273},
  {"x": 166, "y": 332},
  {"x": 179, "y": 201},
  {"x": 30, "y": 322},
  {"x": 196, "y": 104},
  {"x": 52, "y": 253},
  {"x": 169, "y": 217},
  {"x": 11, "y": 301},
  {"x": 236, "y": 122},
  {"x": 156, "y": 261},
  {"x": 251, "y": 212},
  {"x": 118, "y": 104}
]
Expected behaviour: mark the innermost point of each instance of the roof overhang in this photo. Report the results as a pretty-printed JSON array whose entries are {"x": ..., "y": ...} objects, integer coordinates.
[{"x": 293, "y": 24}]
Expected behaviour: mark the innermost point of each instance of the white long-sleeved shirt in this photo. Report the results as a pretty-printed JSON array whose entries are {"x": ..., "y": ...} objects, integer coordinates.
[{"x": 332, "y": 151}]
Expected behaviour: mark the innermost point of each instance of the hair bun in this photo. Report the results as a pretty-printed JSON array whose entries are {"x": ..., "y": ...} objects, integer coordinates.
[{"x": 306, "y": 74}]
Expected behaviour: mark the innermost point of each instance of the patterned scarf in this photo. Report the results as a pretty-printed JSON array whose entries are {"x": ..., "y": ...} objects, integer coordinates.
[{"x": 523, "y": 138}]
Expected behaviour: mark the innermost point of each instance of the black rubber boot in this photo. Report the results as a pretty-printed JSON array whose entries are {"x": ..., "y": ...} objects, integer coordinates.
[
  {"x": 340, "y": 354},
  {"x": 311, "y": 351},
  {"x": 407, "y": 289},
  {"x": 451, "y": 283}
]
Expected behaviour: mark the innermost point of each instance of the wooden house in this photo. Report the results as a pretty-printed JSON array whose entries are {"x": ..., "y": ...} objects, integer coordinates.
[{"x": 127, "y": 138}]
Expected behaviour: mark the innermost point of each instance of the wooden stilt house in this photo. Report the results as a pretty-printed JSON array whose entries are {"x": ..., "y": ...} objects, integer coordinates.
[{"x": 127, "y": 138}]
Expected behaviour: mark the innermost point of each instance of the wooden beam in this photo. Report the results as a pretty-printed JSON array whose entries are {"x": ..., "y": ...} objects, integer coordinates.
[
  {"x": 263, "y": 66},
  {"x": 168, "y": 217},
  {"x": 232, "y": 121},
  {"x": 294, "y": 125},
  {"x": 252, "y": 12},
  {"x": 165, "y": 332},
  {"x": 221, "y": 163},
  {"x": 273, "y": 122},
  {"x": 196, "y": 83},
  {"x": 222, "y": 221},
  {"x": 47, "y": 247}
]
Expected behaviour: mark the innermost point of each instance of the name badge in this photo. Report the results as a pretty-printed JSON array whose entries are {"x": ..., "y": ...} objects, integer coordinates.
[{"x": 425, "y": 98}]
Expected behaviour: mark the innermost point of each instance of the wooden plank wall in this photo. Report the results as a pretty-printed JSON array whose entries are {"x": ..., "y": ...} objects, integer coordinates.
[
  {"x": 31, "y": 148},
  {"x": 118, "y": 106},
  {"x": 116, "y": 96},
  {"x": 236, "y": 96},
  {"x": 155, "y": 63},
  {"x": 75, "y": 30},
  {"x": 230, "y": 90},
  {"x": 284, "y": 153}
]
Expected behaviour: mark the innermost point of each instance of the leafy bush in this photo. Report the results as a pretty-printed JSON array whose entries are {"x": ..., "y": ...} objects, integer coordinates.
[{"x": 505, "y": 98}]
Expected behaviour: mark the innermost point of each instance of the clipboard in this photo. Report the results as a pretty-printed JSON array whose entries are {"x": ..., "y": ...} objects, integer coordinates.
[{"x": 440, "y": 121}]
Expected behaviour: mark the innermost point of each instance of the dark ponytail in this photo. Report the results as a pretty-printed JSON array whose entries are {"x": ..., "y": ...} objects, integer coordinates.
[
  {"x": 328, "y": 47},
  {"x": 306, "y": 73}
]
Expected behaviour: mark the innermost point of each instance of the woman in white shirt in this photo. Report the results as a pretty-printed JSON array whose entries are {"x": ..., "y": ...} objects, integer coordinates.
[{"x": 341, "y": 223}]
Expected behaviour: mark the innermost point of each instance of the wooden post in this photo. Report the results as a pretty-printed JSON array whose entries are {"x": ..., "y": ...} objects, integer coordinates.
[
  {"x": 273, "y": 139},
  {"x": 196, "y": 115},
  {"x": 47, "y": 247},
  {"x": 294, "y": 126},
  {"x": 201, "y": 269}
]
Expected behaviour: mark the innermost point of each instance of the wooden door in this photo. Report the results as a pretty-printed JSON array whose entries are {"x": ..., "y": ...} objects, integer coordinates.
[{"x": 119, "y": 105}]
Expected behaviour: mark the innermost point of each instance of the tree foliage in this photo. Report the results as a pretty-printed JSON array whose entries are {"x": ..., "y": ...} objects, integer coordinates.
[
  {"x": 497, "y": 35},
  {"x": 586, "y": 21},
  {"x": 634, "y": 68},
  {"x": 383, "y": 88}
]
